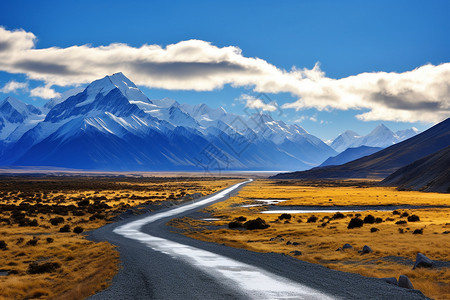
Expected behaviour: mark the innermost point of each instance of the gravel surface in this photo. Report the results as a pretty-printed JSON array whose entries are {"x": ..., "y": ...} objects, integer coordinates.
[{"x": 151, "y": 274}]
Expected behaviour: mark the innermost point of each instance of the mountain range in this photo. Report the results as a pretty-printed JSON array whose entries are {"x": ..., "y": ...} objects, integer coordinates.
[
  {"x": 386, "y": 161},
  {"x": 350, "y": 154},
  {"x": 380, "y": 137},
  {"x": 112, "y": 125}
]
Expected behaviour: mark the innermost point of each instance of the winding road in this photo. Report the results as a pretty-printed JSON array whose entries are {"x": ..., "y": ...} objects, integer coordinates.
[{"x": 161, "y": 264}]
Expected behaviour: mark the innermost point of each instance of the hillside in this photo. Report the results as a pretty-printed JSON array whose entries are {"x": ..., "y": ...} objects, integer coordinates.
[
  {"x": 430, "y": 174},
  {"x": 349, "y": 155},
  {"x": 386, "y": 161}
]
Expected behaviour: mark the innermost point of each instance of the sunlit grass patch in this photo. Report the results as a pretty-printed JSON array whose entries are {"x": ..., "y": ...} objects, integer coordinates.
[
  {"x": 318, "y": 235},
  {"x": 44, "y": 252}
]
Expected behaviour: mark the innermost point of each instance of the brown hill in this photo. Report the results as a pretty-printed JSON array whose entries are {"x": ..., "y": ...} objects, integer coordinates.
[
  {"x": 430, "y": 174},
  {"x": 386, "y": 161}
]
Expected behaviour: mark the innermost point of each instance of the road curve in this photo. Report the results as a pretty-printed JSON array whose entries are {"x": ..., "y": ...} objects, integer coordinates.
[{"x": 160, "y": 264}]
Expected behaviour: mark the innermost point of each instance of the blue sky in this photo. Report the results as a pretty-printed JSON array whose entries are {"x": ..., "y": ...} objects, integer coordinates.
[{"x": 346, "y": 37}]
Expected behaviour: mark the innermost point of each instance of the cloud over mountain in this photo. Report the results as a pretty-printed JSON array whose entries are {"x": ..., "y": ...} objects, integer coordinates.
[{"x": 422, "y": 94}]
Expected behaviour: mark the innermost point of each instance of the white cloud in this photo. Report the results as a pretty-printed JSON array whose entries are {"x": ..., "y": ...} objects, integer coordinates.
[
  {"x": 300, "y": 119},
  {"x": 45, "y": 92},
  {"x": 422, "y": 94},
  {"x": 14, "y": 86},
  {"x": 256, "y": 103}
]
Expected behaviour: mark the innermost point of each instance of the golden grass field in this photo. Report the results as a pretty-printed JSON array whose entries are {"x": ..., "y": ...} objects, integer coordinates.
[
  {"x": 318, "y": 241},
  {"x": 27, "y": 205}
]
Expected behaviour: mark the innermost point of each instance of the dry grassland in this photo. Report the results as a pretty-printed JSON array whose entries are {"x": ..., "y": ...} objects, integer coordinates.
[
  {"x": 39, "y": 261},
  {"x": 394, "y": 245}
]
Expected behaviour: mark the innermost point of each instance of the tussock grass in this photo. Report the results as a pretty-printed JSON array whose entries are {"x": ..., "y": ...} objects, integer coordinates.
[
  {"x": 393, "y": 252},
  {"x": 89, "y": 203}
]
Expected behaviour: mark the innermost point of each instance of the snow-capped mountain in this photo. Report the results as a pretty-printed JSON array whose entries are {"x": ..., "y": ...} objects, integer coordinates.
[
  {"x": 381, "y": 137},
  {"x": 345, "y": 140},
  {"x": 112, "y": 125},
  {"x": 16, "y": 118},
  {"x": 407, "y": 133}
]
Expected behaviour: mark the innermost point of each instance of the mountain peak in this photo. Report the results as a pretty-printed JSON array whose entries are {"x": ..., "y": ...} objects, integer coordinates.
[
  {"x": 16, "y": 111},
  {"x": 350, "y": 133},
  {"x": 110, "y": 82},
  {"x": 15, "y": 103},
  {"x": 380, "y": 129}
]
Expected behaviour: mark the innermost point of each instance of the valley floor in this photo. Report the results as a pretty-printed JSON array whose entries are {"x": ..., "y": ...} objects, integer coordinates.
[
  {"x": 396, "y": 225},
  {"x": 44, "y": 252}
]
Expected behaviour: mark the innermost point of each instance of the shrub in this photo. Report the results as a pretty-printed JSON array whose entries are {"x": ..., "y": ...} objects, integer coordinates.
[
  {"x": 84, "y": 202},
  {"x": 396, "y": 212},
  {"x": 374, "y": 229},
  {"x": 413, "y": 218},
  {"x": 338, "y": 215},
  {"x": 32, "y": 242},
  {"x": 256, "y": 224},
  {"x": 355, "y": 222},
  {"x": 285, "y": 216},
  {"x": 378, "y": 220},
  {"x": 401, "y": 222},
  {"x": 405, "y": 214},
  {"x": 78, "y": 230},
  {"x": 50, "y": 240},
  {"x": 235, "y": 224},
  {"x": 56, "y": 221},
  {"x": 3, "y": 245},
  {"x": 418, "y": 231},
  {"x": 369, "y": 219},
  {"x": 48, "y": 267},
  {"x": 312, "y": 219},
  {"x": 241, "y": 219},
  {"x": 65, "y": 228}
]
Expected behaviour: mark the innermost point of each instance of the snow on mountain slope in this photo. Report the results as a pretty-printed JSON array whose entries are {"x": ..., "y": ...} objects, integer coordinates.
[
  {"x": 16, "y": 118},
  {"x": 407, "y": 133},
  {"x": 345, "y": 140},
  {"x": 52, "y": 102},
  {"x": 381, "y": 136},
  {"x": 111, "y": 125}
]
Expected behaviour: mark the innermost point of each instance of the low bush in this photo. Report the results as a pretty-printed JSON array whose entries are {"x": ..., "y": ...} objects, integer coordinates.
[
  {"x": 285, "y": 217},
  {"x": 256, "y": 224},
  {"x": 235, "y": 224},
  {"x": 312, "y": 219},
  {"x": 241, "y": 219},
  {"x": 338, "y": 215},
  {"x": 65, "y": 228},
  {"x": 48, "y": 267},
  {"x": 78, "y": 230},
  {"x": 401, "y": 222},
  {"x": 418, "y": 231},
  {"x": 374, "y": 229},
  {"x": 32, "y": 242},
  {"x": 56, "y": 221},
  {"x": 3, "y": 245},
  {"x": 355, "y": 223},
  {"x": 84, "y": 202},
  {"x": 413, "y": 218},
  {"x": 369, "y": 219}
]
